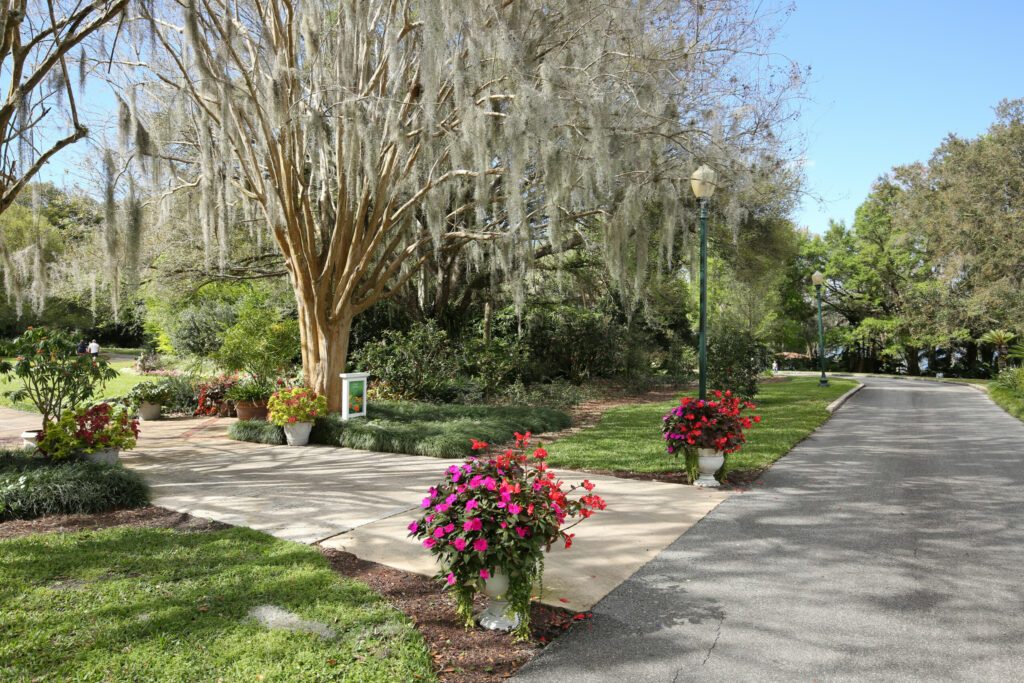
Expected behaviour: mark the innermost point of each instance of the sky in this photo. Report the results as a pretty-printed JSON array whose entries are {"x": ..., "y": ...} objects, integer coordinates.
[{"x": 889, "y": 80}]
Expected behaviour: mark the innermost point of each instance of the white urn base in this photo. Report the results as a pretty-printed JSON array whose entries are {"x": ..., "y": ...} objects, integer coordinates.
[
  {"x": 297, "y": 433},
  {"x": 710, "y": 462},
  {"x": 107, "y": 456},
  {"x": 495, "y": 617}
]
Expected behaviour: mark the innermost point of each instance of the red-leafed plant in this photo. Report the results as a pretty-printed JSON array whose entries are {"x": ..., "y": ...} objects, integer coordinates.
[
  {"x": 87, "y": 430},
  {"x": 500, "y": 512}
]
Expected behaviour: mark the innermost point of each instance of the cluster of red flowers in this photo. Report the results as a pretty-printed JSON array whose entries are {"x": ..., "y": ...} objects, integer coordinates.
[
  {"x": 93, "y": 425},
  {"x": 717, "y": 424},
  {"x": 212, "y": 394}
]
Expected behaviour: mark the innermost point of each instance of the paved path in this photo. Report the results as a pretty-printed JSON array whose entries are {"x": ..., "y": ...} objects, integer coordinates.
[{"x": 887, "y": 546}]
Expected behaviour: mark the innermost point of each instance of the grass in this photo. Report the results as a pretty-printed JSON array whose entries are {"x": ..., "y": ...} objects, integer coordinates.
[
  {"x": 161, "y": 605},
  {"x": 629, "y": 439},
  {"x": 1007, "y": 399},
  {"x": 119, "y": 386},
  {"x": 440, "y": 431},
  {"x": 31, "y": 487}
]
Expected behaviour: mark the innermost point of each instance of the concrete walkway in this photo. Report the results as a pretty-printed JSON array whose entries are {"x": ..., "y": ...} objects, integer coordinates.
[
  {"x": 362, "y": 502},
  {"x": 887, "y": 546}
]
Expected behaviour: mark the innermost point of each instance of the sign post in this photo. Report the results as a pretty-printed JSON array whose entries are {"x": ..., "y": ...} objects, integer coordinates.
[{"x": 353, "y": 394}]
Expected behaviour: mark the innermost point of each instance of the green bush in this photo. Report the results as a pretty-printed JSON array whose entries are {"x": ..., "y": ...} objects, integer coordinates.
[
  {"x": 440, "y": 431},
  {"x": 260, "y": 342},
  {"x": 199, "y": 329},
  {"x": 181, "y": 394},
  {"x": 31, "y": 487},
  {"x": 1011, "y": 379},
  {"x": 415, "y": 365},
  {"x": 736, "y": 359}
]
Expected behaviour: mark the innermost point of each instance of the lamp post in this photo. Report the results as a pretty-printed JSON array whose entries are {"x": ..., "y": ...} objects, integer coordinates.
[
  {"x": 703, "y": 184},
  {"x": 818, "y": 279}
]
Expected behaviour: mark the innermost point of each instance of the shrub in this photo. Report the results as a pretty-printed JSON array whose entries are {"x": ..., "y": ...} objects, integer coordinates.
[
  {"x": 414, "y": 365},
  {"x": 559, "y": 393},
  {"x": 260, "y": 342},
  {"x": 87, "y": 430},
  {"x": 53, "y": 378},
  {"x": 499, "y": 514},
  {"x": 736, "y": 359},
  {"x": 253, "y": 390},
  {"x": 199, "y": 329},
  {"x": 211, "y": 395},
  {"x": 1011, "y": 379},
  {"x": 32, "y": 487},
  {"x": 147, "y": 392},
  {"x": 180, "y": 393},
  {"x": 260, "y": 431},
  {"x": 491, "y": 364}
]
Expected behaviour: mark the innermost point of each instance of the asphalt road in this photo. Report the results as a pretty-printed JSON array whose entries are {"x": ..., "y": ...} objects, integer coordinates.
[{"x": 887, "y": 546}]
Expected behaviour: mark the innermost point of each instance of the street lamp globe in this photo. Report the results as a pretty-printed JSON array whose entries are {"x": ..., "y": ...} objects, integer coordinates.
[
  {"x": 703, "y": 181},
  {"x": 818, "y": 279}
]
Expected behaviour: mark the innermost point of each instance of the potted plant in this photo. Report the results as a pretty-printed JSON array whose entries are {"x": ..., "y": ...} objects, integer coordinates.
[
  {"x": 53, "y": 378},
  {"x": 489, "y": 521},
  {"x": 96, "y": 433},
  {"x": 295, "y": 410},
  {"x": 148, "y": 398},
  {"x": 250, "y": 398},
  {"x": 212, "y": 399},
  {"x": 706, "y": 431}
]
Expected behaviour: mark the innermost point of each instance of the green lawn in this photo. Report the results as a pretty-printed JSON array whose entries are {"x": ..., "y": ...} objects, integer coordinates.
[
  {"x": 1008, "y": 400},
  {"x": 162, "y": 605},
  {"x": 629, "y": 439},
  {"x": 121, "y": 385}
]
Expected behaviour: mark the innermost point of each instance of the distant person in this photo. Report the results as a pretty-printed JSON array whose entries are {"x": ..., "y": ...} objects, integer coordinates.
[
  {"x": 82, "y": 348},
  {"x": 775, "y": 366},
  {"x": 94, "y": 349}
]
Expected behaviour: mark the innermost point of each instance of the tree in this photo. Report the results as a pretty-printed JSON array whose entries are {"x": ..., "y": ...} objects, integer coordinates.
[
  {"x": 377, "y": 137},
  {"x": 37, "y": 38},
  {"x": 1001, "y": 339}
]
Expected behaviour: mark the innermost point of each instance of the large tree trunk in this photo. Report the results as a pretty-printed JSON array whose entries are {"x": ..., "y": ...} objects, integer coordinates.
[
  {"x": 913, "y": 362},
  {"x": 324, "y": 349}
]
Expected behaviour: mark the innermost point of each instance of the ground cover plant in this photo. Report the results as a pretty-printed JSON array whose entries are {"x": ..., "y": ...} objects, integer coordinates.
[
  {"x": 440, "y": 431},
  {"x": 1008, "y": 391},
  {"x": 160, "y": 605},
  {"x": 629, "y": 439},
  {"x": 31, "y": 487}
]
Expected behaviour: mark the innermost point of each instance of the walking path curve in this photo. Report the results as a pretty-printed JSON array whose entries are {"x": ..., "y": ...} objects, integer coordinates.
[{"x": 888, "y": 545}]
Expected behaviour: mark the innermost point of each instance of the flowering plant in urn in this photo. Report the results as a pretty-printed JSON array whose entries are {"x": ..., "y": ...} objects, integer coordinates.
[
  {"x": 717, "y": 425},
  {"x": 499, "y": 513},
  {"x": 290, "y": 406}
]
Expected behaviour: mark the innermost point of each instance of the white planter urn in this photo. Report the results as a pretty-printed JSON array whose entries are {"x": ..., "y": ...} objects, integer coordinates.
[
  {"x": 710, "y": 462},
  {"x": 107, "y": 456},
  {"x": 297, "y": 433},
  {"x": 496, "y": 617},
  {"x": 30, "y": 438},
  {"x": 149, "y": 411}
]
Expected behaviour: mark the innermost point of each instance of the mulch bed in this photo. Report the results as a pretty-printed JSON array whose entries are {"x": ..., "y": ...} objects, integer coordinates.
[{"x": 459, "y": 656}]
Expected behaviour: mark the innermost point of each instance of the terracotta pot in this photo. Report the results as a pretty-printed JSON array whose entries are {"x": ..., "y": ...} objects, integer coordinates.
[{"x": 251, "y": 410}]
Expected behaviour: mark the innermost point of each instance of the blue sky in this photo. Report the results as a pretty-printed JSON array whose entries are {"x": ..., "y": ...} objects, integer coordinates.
[{"x": 889, "y": 80}]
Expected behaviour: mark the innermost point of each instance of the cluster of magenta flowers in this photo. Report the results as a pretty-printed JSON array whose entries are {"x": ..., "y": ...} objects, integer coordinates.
[{"x": 717, "y": 424}]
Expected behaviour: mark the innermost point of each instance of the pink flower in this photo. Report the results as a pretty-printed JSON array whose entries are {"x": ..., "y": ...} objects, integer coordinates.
[
  {"x": 470, "y": 504},
  {"x": 472, "y": 524},
  {"x": 448, "y": 528},
  {"x": 484, "y": 574},
  {"x": 522, "y": 531},
  {"x": 480, "y": 545},
  {"x": 429, "y": 518},
  {"x": 451, "y": 499},
  {"x": 439, "y": 532},
  {"x": 450, "y": 579},
  {"x": 426, "y": 503},
  {"x": 414, "y": 527},
  {"x": 442, "y": 507},
  {"x": 429, "y": 543},
  {"x": 460, "y": 544},
  {"x": 514, "y": 509}
]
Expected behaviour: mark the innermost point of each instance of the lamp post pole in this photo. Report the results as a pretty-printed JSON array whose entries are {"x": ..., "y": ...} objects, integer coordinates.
[
  {"x": 823, "y": 382},
  {"x": 703, "y": 343}
]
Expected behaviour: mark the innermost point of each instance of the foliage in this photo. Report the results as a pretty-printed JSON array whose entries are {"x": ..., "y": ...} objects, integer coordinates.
[
  {"x": 624, "y": 441},
  {"x": 252, "y": 390},
  {"x": 492, "y": 363},
  {"x": 1010, "y": 400},
  {"x": 149, "y": 392},
  {"x": 175, "y": 606},
  {"x": 260, "y": 342},
  {"x": 199, "y": 329},
  {"x": 89, "y": 429},
  {"x": 736, "y": 359},
  {"x": 31, "y": 487},
  {"x": 1011, "y": 379},
  {"x": 54, "y": 379},
  {"x": 499, "y": 513},
  {"x": 559, "y": 393},
  {"x": 415, "y": 365},
  {"x": 211, "y": 394},
  {"x": 715, "y": 424},
  {"x": 296, "y": 405},
  {"x": 180, "y": 394},
  {"x": 440, "y": 431}
]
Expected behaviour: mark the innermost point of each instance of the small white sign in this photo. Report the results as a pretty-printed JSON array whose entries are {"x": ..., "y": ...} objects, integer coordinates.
[{"x": 353, "y": 394}]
